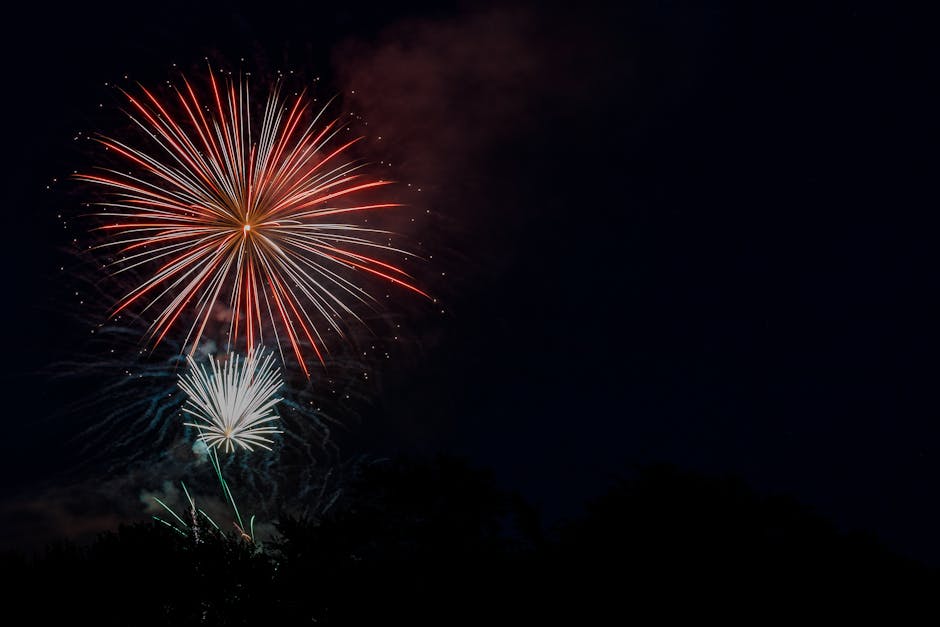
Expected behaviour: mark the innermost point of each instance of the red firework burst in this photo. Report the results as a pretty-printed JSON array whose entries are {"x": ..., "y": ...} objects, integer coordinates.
[{"x": 218, "y": 210}]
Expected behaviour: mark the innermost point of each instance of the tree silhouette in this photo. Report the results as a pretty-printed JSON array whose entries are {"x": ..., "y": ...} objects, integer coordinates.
[{"x": 436, "y": 542}]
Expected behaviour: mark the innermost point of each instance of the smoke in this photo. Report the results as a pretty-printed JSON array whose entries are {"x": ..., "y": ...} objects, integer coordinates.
[
  {"x": 85, "y": 507},
  {"x": 168, "y": 493},
  {"x": 438, "y": 92},
  {"x": 201, "y": 451},
  {"x": 443, "y": 93}
]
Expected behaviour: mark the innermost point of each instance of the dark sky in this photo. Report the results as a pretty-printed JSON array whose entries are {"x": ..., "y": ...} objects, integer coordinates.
[{"x": 697, "y": 235}]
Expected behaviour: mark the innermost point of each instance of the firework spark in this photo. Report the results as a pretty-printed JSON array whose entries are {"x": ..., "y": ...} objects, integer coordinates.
[
  {"x": 222, "y": 211},
  {"x": 192, "y": 528},
  {"x": 234, "y": 401}
]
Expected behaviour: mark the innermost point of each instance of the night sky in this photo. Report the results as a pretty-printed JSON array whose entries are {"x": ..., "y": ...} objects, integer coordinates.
[{"x": 664, "y": 232}]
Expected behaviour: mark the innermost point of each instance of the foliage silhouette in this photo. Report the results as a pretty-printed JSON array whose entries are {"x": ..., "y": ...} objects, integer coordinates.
[{"x": 437, "y": 542}]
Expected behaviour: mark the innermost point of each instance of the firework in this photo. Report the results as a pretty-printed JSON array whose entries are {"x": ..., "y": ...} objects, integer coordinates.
[
  {"x": 193, "y": 527},
  {"x": 219, "y": 211},
  {"x": 233, "y": 402}
]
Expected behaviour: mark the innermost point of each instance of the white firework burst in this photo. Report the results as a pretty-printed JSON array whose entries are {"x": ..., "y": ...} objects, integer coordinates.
[{"x": 233, "y": 401}]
